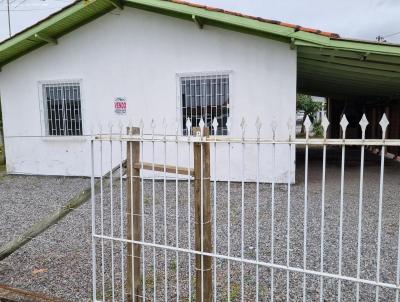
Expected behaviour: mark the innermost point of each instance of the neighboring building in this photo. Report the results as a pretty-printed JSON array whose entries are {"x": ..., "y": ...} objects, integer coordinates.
[{"x": 89, "y": 64}]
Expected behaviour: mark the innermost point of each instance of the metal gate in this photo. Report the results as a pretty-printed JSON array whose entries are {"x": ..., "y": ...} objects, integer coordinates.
[{"x": 172, "y": 232}]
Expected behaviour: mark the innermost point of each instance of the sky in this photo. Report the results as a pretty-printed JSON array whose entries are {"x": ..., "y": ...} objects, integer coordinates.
[{"x": 361, "y": 19}]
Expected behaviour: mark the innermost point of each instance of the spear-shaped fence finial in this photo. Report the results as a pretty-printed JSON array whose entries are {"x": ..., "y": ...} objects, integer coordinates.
[
  {"x": 344, "y": 123},
  {"x": 325, "y": 124},
  {"x": 201, "y": 125},
  {"x": 176, "y": 128},
  {"x": 229, "y": 125},
  {"x": 243, "y": 127},
  {"x": 274, "y": 126},
  {"x": 290, "y": 126},
  {"x": 384, "y": 124},
  {"x": 165, "y": 126},
  {"x": 141, "y": 126},
  {"x": 363, "y": 124},
  {"x": 307, "y": 126},
  {"x": 188, "y": 126},
  {"x": 120, "y": 128},
  {"x": 110, "y": 127},
  {"x": 100, "y": 129},
  {"x": 153, "y": 126},
  {"x": 258, "y": 125},
  {"x": 215, "y": 125}
]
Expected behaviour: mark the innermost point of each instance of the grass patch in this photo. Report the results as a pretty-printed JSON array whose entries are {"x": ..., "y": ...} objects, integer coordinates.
[
  {"x": 2, "y": 160},
  {"x": 234, "y": 291},
  {"x": 150, "y": 282},
  {"x": 146, "y": 199},
  {"x": 172, "y": 266}
]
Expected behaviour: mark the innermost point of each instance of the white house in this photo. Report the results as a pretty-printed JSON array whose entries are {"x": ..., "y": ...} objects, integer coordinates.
[{"x": 65, "y": 75}]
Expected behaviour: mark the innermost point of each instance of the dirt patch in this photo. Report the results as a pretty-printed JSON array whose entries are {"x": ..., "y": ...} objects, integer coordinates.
[{"x": 2, "y": 161}]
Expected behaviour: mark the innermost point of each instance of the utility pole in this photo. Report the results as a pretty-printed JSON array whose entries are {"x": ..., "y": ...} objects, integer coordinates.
[{"x": 9, "y": 19}]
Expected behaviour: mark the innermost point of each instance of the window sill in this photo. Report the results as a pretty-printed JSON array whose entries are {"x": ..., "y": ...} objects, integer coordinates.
[{"x": 64, "y": 139}]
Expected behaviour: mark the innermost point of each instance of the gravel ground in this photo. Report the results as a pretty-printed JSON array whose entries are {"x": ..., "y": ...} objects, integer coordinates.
[{"x": 58, "y": 262}]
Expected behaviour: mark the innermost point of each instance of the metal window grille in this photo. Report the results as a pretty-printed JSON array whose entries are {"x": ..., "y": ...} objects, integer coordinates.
[
  {"x": 63, "y": 108},
  {"x": 207, "y": 97}
]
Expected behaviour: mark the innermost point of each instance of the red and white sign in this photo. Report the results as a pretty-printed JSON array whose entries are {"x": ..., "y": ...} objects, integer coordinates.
[{"x": 120, "y": 106}]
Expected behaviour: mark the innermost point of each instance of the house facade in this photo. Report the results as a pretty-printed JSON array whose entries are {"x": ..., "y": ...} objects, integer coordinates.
[{"x": 149, "y": 60}]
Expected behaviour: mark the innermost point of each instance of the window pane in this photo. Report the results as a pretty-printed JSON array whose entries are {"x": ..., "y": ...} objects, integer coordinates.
[
  {"x": 205, "y": 97},
  {"x": 63, "y": 106}
]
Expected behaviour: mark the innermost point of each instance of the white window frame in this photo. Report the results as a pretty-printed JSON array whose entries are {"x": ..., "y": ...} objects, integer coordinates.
[
  {"x": 43, "y": 110},
  {"x": 180, "y": 75}
]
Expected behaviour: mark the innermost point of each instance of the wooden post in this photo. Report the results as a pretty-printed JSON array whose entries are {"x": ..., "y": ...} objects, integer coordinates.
[
  {"x": 202, "y": 163},
  {"x": 133, "y": 218}
]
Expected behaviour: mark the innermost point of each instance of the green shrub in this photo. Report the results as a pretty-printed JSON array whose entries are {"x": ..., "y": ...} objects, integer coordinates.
[{"x": 318, "y": 129}]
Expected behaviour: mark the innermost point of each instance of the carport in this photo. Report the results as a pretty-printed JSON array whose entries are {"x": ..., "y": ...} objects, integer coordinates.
[{"x": 356, "y": 77}]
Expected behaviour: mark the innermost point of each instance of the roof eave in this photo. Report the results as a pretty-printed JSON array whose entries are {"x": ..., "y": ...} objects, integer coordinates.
[
  {"x": 40, "y": 29},
  {"x": 360, "y": 47},
  {"x": 214, "y": 18}
]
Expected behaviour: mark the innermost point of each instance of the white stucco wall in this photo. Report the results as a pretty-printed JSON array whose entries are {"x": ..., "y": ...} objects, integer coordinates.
[{"x": 137, "y": 55}]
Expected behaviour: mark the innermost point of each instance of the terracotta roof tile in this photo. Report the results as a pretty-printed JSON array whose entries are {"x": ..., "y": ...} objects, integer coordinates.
[{"x": 296, "y": 27}]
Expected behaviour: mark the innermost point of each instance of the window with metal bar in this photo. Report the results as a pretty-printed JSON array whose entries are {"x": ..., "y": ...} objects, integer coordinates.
[
  {"x": 205, "y": 96},
  {"x": 63, "y": 115}
]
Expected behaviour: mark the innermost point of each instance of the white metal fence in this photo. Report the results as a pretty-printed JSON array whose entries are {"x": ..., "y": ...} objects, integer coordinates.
[{"x": 182, "y": 236}]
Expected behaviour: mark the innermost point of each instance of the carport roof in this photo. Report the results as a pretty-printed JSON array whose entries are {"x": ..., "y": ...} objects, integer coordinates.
[
  {"x": 327, "y": 64},
  {"x": 345, "y": 69}
]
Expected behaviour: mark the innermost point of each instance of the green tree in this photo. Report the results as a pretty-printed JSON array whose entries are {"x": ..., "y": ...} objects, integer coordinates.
[{"x": 310, "y": 108}]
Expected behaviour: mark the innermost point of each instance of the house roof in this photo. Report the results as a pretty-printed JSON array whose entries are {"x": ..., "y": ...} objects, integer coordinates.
[
  {"x": 294, "y": 26},
  {"x": 327, "y": 63}
]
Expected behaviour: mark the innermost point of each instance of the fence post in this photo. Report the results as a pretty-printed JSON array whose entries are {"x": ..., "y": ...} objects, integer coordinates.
[
  {"x": 133, "y": 218},
  {"x": 202, "y": 163}
]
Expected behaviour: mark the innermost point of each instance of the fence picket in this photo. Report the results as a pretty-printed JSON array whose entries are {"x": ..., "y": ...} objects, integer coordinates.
[{"x": 221, "y": 271}]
